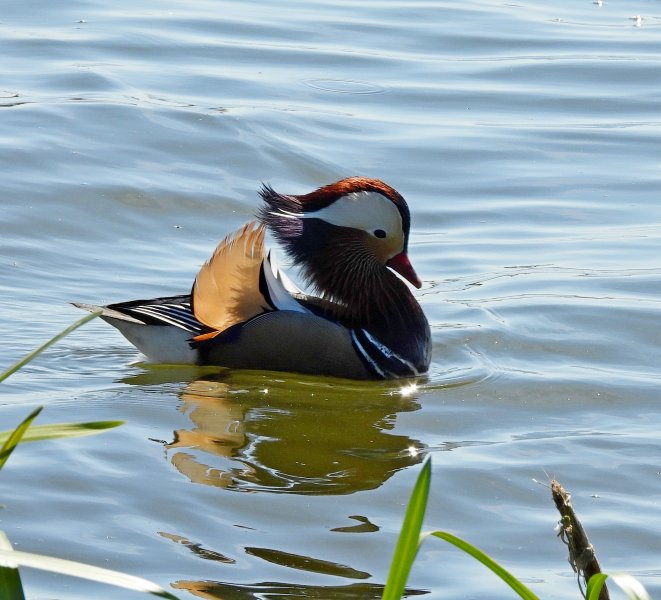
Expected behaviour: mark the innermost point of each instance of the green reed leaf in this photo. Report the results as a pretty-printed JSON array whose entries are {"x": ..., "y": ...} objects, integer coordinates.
[
  {"x": 53, "y": 431},
  {"x": 76, "y": 569},
  {"x": 25, "y": 360},
  {"x": 633, "y": 589},
  {"x": 595, "y": 585},
  {"x": 409, "y": 538},
  {"x": 13, "y": 437},
  {"x": 486, "y": 560},
  {"x": 10, "y": 579}
]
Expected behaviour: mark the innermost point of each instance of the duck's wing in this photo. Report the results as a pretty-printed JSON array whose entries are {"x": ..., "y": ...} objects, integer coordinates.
[
  {"x": 161, "y": 328},
  {"x": 234, "y": 287},
  {"x": 239, "y": 283},
  {"x": 173, "y": 311},
  {"x": 226, "y": 289}
]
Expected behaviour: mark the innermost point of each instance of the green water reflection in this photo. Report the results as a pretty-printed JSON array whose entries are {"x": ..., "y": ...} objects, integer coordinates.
[
  {"x": 269, "y": 432},
  {"x": 277, "y": 433}
]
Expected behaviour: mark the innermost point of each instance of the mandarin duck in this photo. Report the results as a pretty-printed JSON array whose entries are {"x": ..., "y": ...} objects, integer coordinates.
[{"x": 360, "y": 320}]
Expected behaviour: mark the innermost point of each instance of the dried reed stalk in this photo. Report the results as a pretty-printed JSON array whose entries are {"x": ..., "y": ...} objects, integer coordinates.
[{"x": 582, "y": 557}]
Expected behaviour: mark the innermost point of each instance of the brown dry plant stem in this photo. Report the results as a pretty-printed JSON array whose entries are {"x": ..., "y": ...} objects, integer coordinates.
[{"x": 582, "y": 556}]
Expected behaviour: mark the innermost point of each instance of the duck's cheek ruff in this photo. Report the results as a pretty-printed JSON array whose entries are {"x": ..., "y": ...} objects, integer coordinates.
[{"x": 380, "y": 359}]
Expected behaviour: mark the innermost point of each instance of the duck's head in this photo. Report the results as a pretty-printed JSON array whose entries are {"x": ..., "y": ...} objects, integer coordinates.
[{"x": 343, "y": 235}]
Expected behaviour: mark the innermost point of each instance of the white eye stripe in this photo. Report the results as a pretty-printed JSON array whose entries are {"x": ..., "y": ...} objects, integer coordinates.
[{"x": 368, "y": 211}]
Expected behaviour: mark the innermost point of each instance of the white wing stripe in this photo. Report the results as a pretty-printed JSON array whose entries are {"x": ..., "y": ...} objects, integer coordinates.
[
  {"x": 367, "y": 357},
  {"x": 280, "y": 287},
  {"x": 182, "y": 322},
  {"x": 388, "y": 353},
  {"x": 180, "y": 312},
  {"x": 288, "y": 284}
]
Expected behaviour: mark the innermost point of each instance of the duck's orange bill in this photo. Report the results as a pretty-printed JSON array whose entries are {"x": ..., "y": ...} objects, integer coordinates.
[{"x": 402, "y": 265}]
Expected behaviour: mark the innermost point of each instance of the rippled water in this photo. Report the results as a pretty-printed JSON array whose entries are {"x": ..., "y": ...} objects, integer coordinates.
[{"x": 526, "y": 139}]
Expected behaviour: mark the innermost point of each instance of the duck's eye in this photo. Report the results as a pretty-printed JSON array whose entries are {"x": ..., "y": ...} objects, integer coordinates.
[{"x": 380, "y": 233}]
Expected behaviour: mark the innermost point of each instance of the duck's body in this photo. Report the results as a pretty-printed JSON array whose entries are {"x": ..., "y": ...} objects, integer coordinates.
[{"x": 243, "y": 312}]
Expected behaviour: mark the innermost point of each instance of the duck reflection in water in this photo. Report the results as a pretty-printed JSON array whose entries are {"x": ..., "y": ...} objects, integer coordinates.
[
  {"x": 210, "y": 590},
  {"x": 295, "y": 435}
]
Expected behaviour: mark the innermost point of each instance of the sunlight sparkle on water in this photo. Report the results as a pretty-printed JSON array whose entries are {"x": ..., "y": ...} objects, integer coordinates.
[{"x": 407, "y": 390}]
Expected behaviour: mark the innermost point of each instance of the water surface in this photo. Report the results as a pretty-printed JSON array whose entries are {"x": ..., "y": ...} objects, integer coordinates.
[{"x": 525, "y": 137}]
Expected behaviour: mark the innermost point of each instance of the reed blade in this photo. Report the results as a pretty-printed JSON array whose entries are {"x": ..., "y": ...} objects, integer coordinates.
[
  {"x": 76, "y": 569},
  {"x": 14, "y": 437},
  {"x": 26, "y": 359},
  {"x": 409, "y": 537}
]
